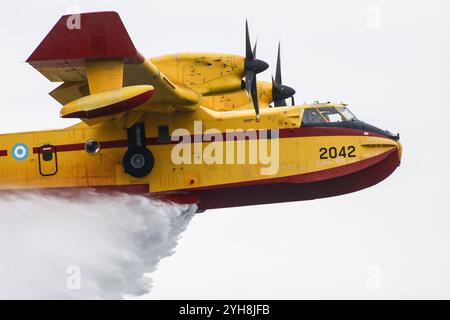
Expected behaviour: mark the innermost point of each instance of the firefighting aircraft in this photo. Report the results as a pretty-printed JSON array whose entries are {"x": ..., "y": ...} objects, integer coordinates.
[{"x": 132, "y": 109}]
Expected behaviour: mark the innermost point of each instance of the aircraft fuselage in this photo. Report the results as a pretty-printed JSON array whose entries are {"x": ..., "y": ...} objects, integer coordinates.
[{"x": 299, "y": 162}]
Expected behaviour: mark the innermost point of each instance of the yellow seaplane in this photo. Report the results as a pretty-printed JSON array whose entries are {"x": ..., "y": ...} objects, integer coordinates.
[{"x": 190, "y": 128}]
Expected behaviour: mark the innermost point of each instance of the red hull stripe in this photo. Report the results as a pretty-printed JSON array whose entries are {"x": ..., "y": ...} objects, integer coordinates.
[
  {"x": 337, "y": 181},
  {"x": 122, "y": 106},
  {"x": 236, "y": 196},
  {"x": 313, "y": 176},
  {"x": 325, "y": 131},
  {"x": 284, "y": 133},
  {"x": 3, "y": 153},
  {"x": 81, "y": 146}
]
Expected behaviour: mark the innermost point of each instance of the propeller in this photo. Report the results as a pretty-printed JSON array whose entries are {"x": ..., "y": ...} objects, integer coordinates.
[
  {"x": 280, "y": 92},
  {"x": 253, "y": 66}
]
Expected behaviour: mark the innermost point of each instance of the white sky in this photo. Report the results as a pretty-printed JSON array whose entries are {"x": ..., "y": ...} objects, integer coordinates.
[{"x": 396, "y": 76}]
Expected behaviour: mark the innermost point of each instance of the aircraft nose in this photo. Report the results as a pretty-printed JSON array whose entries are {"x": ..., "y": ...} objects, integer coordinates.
[
  {"x": 396, "y": 138},
  {"x": 382, "y": 132},
  {"x": 399, "y": 150}
]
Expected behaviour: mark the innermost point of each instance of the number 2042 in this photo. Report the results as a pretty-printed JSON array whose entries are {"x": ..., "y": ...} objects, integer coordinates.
[{"x": 333, "y": 153}]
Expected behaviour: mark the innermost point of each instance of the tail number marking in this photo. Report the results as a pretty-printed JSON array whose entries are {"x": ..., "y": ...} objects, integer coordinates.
[{"x": 333, "y": 153}]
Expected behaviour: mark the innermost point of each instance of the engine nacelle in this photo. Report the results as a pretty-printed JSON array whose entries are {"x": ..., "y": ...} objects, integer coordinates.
[{"x": 206, "y": 73}]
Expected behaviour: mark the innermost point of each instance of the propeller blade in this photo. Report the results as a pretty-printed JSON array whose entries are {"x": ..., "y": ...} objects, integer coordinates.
[
  {"x": 276, "y": 93},
  {"x": 252, "y": 90},
  {"x": 248, "y": 46},
  {"x": 278, "y": 79},
  {"x": 253, "y": 66},
  {"x": 254, "y": 94},
  {"x": 249, "y": 75},
  {"x": 280, "y": 92}
]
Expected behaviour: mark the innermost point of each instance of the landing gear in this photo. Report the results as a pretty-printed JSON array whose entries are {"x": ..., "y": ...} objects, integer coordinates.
[{"x": 138, "y": 161}]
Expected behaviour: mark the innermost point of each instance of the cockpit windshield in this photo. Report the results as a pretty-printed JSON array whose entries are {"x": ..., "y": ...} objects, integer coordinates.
[
  {"x": 348, "y": 115},
  {"x": 327, "y": 115},
  {"x": 331, "y": 115}
]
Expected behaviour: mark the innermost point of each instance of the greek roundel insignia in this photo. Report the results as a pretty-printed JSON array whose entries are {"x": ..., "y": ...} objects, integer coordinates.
[{"x": 20, "y": 151}]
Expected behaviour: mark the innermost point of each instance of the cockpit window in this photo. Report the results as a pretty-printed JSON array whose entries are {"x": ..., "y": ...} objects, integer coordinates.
[
  {"x": 327, "y": 115},
  {"x": 332, "y": 115},
  {"x": 312, "y": 116},
  {"x": 348, "y": 115}
]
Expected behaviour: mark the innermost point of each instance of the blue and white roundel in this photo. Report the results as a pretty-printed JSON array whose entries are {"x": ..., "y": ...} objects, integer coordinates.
[{"x": 20, "y": 151}]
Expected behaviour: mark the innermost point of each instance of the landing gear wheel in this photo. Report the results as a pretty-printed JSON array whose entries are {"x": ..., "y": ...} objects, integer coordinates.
[{"x": 138, "y": 162}]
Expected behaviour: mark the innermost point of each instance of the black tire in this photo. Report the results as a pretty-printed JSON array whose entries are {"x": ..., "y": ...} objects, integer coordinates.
[{"x": 138, "y": 162}]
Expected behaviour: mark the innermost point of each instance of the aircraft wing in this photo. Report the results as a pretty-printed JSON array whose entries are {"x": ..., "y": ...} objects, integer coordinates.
[{"x": 104, "y": 76}]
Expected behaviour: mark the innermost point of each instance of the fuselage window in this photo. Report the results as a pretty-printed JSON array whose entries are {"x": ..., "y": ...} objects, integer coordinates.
[
  {"x": 47, "y": 153},
  {"x": 92, "y": 147}
]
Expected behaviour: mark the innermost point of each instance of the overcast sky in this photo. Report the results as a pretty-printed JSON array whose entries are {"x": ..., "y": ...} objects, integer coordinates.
[{"x": 390, "y": 60}]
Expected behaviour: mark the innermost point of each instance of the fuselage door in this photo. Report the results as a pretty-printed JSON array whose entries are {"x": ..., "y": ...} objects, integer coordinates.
[{"x": 48, "y": 160}]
